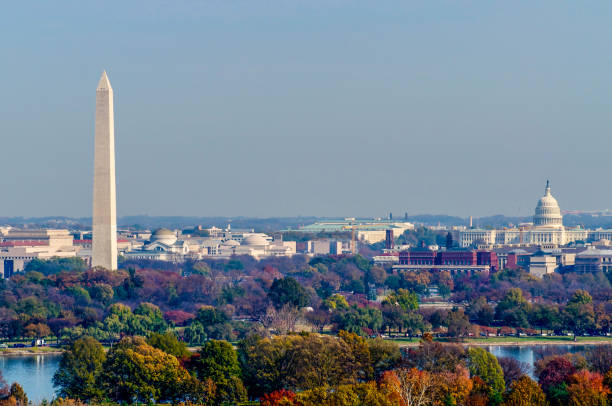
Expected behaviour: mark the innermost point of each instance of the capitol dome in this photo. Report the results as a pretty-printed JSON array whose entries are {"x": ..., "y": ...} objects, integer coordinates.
[
  {"x": 164, "y": 236},
  {"x": 254, "y": 240},
  {"x": 548, "y": 212}
]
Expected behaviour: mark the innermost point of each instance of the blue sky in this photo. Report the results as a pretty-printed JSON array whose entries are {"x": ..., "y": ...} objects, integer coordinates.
[{"x": 282, "y": 108}]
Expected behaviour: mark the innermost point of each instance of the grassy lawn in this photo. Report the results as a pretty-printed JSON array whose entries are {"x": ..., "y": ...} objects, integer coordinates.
[{"x": 514, "y": 340}]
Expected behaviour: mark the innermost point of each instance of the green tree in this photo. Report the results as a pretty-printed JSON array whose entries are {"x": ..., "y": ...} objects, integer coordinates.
[
  {"x": 79, "y": 370},
  {"x": 169, "y": 344},
  {"x": 483, "y": 364},
  {"x": 209, "y": 316},
  {"x": 579, "y": 314},
  {"x": 393, "y": 317},
  {"x": 403, "y": 298},
  {"x": 102, "y": 292},
  {"x": 195, "y": 333},
  {"x": 56, "y": 265},
  {"x": 580, "y": 297},
  {"x": 218, "y": 361},
  {"x": 288, "y": 291},
  {"x": 544, "y": 317},
  {"x": 357, "y": 319},
  {"x": 513, "y": 308},
  {"x": 152, "y": 317},
  {"x": 414, "y": 324}
]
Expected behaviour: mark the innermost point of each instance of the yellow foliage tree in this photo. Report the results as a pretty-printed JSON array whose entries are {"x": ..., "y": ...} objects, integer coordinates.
[{"x": 525, "y": 392}]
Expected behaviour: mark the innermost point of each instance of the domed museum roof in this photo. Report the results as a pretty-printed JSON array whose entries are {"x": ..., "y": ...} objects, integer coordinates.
[
  {"x": 231, "y": 243},
  {"x": 548, "y": 212},
  {"x": 254, "y": 240},
  {"x": 164, "y": 235}
]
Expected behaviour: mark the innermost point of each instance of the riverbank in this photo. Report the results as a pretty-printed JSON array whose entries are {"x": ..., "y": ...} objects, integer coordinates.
[
  {"x": 31, "y": 351},
  {"x": 514, "y": 341}
]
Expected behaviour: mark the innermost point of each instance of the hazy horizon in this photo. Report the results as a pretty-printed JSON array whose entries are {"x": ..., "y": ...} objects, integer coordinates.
[{"x": 319, "y": 108}]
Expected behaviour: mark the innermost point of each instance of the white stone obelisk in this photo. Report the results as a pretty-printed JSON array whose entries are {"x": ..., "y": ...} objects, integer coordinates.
[{"x": 104, "y": 235}]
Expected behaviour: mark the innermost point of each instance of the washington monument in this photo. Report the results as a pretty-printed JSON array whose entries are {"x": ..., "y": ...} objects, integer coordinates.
[{"x": 104, "y": 235}]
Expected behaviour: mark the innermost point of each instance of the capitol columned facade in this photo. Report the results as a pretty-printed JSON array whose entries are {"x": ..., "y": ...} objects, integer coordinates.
[{"x": 547, "y": 230}]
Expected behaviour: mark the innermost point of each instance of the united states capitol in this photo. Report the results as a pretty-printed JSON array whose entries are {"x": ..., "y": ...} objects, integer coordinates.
[{"x": 547, "y": 230}]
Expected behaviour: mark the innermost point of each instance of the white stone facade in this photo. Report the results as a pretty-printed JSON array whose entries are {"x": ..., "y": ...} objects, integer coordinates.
[
  {"x": 104, "y": 227},
  {"x": 547, "y": 230}
]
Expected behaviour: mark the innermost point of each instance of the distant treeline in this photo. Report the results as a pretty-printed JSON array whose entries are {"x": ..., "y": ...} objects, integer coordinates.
[{"x": 286, "y": 223}]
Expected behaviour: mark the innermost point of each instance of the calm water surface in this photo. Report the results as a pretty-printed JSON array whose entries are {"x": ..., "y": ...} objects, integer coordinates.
[
  {"x": 529, "y": 354},
  {"x": 34, "y": 372}
]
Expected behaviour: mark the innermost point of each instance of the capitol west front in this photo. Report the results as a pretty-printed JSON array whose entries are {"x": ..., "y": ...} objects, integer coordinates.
[{"x": 546, "y": 231}]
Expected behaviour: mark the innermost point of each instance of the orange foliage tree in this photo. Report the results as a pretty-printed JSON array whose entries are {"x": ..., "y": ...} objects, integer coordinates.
[
  {"x": 280, "y": 397},
  {"x": 587, "y": 389},
  {"x": 411, "y": 386}
]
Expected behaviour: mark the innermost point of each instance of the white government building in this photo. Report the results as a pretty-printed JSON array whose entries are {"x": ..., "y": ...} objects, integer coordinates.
[
  {"x": 165, "y": 245},
  {"x": 547, "y": 230}
]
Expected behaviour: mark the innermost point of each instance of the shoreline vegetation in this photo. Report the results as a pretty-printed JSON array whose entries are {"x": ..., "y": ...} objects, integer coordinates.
[{"x": 407, "y": 342}]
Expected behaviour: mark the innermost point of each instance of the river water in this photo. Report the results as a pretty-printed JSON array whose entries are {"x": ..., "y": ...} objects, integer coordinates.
[
  {"x": 35, "y": 372},
  {"x": 32, "y": 372},
  {"x": 530, "y": 354}
]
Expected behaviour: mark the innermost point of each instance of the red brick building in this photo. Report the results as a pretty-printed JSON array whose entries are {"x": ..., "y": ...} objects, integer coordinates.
[{"x": 453, "y": 261}]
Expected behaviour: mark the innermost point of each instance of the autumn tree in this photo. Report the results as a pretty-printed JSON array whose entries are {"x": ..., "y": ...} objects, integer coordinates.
[
  {"x": 365, "y": 394},
  {"x": 360, "y": 352},
  {"x": 587, "y": 388},
  {"x": 295, "y": 362},
  {"x": 525, "y": 392},
  {"x": 553, "y": 377},
  {"x": 599, "y": 358},
  {"x": 336, "y": 302},
  {"x": 384, "y": 354},
  {"x": 512, "y": 370},
  {"x": 281, "y": 397},
  {"x": 434, "y": 356},
  {"x": 454, "y": 387},
  {"x": 17, "y": 393},
  {"x": 411, "y": 386},
  {"x": 134, "y": 370},
  {"x": 37, "y": 330}
]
